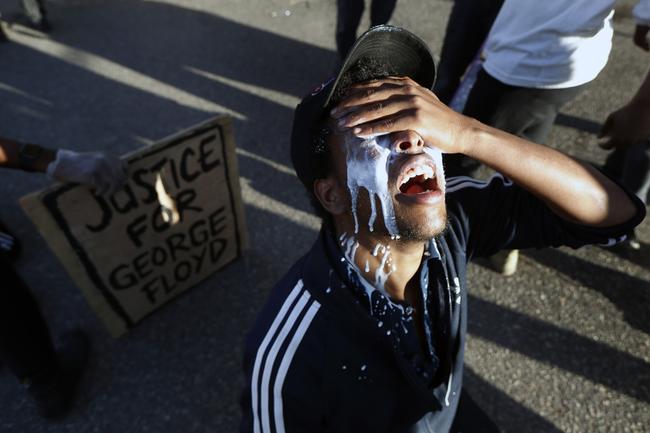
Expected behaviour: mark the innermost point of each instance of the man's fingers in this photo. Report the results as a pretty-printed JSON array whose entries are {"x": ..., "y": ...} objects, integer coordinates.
[
  {"x": 363, "y": 96},
  {"x": 396, "y": 81},
  {"x": 116, "y": 173},
  {"x": 607, "y": 144},
  {"x": 101, "y": 185},
  {"x": 615, "y": 143},
  {"x": 385, "y": 125},
  {"x": 102, "y": 177},
  {"x": 373, "y": 111},
  {"x": 367, "y": 95},
  {"x": 607, "y": 126}
]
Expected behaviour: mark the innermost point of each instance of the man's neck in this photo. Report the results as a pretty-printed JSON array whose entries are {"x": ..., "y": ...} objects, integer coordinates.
[{"x": 380, "y": 259}]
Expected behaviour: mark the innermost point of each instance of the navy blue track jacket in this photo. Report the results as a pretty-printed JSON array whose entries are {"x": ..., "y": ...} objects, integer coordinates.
[{"x": 315, "y": 361}]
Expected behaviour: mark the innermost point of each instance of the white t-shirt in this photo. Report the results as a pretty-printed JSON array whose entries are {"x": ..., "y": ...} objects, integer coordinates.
[{"x": 552, "y": 44}]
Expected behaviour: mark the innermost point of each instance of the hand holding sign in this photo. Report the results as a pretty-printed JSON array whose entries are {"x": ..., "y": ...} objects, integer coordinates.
[
  {"x": 105, "y": 173},
  {"x": 176, "y": 220}
]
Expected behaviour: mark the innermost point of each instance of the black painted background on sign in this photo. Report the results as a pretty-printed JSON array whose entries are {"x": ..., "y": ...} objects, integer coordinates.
[{"x": 50, "y": 201}]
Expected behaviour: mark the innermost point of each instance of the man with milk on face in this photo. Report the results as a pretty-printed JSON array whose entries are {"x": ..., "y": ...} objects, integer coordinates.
[{"x": 366, "y": 332}]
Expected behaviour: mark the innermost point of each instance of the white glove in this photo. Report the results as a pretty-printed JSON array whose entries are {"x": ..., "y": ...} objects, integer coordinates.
[{"x": 105, "y": 173}]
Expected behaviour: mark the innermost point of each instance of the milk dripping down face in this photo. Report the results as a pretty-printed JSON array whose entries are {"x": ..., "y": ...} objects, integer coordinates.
[{"x": 369, "y": 166}]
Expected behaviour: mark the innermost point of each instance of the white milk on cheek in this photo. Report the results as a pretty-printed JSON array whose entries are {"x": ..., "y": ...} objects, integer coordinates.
[{"x": 367, "y": 167}]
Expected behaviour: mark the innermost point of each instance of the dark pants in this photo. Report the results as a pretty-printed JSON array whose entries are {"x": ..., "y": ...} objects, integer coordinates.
[
  {"x": 25, "y": 344},
  {"x": 349, "y": 16},
  {"x": 470, "y": 418},
  {"x": 526, "y": 112},
  {"x": 631, "y": 167},
  {"x": 469, "y": 23},
  {"x": 35, "y": 11}
]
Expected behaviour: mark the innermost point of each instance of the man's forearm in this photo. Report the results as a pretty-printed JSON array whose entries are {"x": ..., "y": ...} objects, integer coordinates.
[
  {"x": 10, "y": 156},
  {"x": 575, "y": 191}
]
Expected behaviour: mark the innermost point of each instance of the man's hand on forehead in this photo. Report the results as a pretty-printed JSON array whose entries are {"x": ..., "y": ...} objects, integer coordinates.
[{"x": 396, "y": 104}]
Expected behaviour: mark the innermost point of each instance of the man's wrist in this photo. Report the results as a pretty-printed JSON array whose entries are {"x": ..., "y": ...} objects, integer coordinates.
[
  {"x": 32, "y": 157},
  {"x": 471, "y": 133},
  {"x": 44, "y": 159}
]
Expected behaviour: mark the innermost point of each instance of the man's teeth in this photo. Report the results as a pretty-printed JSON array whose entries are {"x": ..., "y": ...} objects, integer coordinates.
[{"x": 422, "y": 170}]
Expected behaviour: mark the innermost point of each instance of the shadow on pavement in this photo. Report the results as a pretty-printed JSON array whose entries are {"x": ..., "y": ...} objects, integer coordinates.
[
  {"x": 578, "y": 123},
  {"x": 631, "y": 295},
  {"x": 507, "y": 413},
  {"x": 559, "y": 347},
  {"x": 640, "y": 257}
]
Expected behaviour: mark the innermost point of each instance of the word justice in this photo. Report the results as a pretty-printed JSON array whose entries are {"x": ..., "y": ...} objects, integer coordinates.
[{"x": 192, "y": 163}]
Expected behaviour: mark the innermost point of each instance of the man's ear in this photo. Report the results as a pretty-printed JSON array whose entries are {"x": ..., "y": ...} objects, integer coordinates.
[{"x": 331, "y": 195}]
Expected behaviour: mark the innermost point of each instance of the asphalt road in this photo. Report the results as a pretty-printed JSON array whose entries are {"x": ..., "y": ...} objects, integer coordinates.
[{"x": 562, "y": 346}]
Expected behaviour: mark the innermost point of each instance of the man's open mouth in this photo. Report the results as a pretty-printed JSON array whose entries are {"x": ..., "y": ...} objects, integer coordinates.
[{"x": 418, "y": 179}]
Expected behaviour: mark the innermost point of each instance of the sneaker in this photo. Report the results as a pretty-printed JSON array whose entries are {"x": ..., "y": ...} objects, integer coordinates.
[
  {"x": 630, "y": 245},
  {"x": 505, "y": 262},
  {"x": 633, "y": 243},
  {"x": 55, "y": 395}
]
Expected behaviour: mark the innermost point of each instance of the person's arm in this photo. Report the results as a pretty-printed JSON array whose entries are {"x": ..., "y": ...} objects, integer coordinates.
[
  {"x": 10, "y": 156},
  {"x": 104, "y": 173},
  {"x": 630, "y": 123},
  {"x": 575, "y": 191}
]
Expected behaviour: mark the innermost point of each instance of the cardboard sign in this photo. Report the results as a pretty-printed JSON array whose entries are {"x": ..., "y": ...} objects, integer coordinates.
[{"x": 178, "y": 219}]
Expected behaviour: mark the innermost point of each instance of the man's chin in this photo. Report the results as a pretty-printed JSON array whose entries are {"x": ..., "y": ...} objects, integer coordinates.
[
  {"x": 415, "y": 221},
  {"x": 420, "y": 234},
  {"x": 422, "y": 228}
]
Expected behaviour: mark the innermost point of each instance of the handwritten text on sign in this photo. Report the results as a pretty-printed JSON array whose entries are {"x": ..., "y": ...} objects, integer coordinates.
[{"x": 175, "y": 222}]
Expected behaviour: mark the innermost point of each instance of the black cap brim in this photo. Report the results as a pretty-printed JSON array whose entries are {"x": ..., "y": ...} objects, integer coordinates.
[{"x": 403, "y": 54}]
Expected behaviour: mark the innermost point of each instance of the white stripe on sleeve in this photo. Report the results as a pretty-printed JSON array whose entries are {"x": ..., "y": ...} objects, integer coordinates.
[
  {"x": 469, "y": 182},
  {"x": 270, "y": 360},
  {"x": 262, "y": 349},
  {"x": 286, "y": 362}
]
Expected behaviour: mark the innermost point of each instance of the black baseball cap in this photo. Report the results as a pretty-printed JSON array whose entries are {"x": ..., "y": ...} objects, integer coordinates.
[{"x": 400, "y": 51}]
